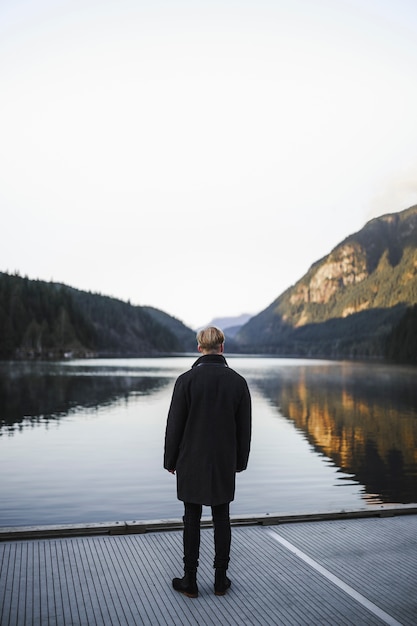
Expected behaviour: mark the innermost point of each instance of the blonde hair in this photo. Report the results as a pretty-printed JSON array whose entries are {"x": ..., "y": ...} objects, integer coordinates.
[{"x": 210, "y": 339}]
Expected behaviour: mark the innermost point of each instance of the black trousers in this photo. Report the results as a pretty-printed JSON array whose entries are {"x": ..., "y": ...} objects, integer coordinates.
[{"x": 222, "y": 535}]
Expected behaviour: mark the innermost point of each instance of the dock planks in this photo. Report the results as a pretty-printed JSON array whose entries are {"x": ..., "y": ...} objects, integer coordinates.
[{"x": 335, "y": 572}]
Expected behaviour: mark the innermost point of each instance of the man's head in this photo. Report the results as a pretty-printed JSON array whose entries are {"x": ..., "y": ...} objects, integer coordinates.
[{"x": 210, "y": 340}]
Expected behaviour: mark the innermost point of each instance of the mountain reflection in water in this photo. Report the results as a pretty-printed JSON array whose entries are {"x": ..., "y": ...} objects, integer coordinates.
[
  {"x": 362, "y": 416},
  {"x": 39, "y": 393}
]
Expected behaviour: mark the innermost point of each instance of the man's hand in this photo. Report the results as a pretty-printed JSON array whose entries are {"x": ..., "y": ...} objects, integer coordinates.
[{"x": 171, "y": 471}]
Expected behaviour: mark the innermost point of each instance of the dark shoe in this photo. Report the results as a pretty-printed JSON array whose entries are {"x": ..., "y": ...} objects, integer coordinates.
[
  {"x": 186, "y": 585},
  {"x": 221, "y": 582}
]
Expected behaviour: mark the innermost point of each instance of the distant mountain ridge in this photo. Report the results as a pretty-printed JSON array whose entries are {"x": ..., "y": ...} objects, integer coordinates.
[
  {"x": 349, "y": 302},
  {"x": 230, "y": 325}
]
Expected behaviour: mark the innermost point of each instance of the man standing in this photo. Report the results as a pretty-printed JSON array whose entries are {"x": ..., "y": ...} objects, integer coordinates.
[{"x": 207, "y": 441}]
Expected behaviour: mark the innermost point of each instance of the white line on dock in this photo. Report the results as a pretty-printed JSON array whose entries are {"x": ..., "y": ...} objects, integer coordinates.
[{"x": 385, "y": 617}]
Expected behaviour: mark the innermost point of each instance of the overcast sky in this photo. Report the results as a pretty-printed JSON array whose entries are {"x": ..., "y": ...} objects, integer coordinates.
[{"x": 199, "y": 155}]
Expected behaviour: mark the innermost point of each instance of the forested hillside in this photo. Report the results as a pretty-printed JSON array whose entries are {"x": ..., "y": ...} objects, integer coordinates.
[
  {"x": 359, "y": 301},
  {"x": 50, "y": 320},
  {"x": 355, "y": 302}
]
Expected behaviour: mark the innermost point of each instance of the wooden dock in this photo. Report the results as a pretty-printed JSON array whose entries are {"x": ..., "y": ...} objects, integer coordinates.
[{"x": 345, "y": 571}]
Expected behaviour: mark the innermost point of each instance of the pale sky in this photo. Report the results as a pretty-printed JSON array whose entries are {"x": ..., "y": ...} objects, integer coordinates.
[{"x": 198, "y": 156}]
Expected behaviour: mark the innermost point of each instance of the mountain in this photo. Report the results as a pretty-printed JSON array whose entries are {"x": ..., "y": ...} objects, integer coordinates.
[
  {"x": 229, "y": 325},
  {"x": 351, "y": 303},
  {"x": 184, "y": 335},
  {"x": 51, "y": 320}
]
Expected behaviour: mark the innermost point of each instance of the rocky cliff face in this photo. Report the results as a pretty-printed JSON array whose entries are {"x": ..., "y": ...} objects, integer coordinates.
[
  {"x": 375, "y": 268},
  {"x": 385, "y": 249},
  {"x": 346, "y": 266}
]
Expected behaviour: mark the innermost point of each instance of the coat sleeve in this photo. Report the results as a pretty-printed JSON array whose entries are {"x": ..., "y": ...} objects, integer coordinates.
[
  {"x": 243, "y": 430},
  {"x": 177, "y": 417}
]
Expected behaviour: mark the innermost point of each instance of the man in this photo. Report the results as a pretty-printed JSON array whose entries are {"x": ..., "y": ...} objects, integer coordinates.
[{"x": 207, "y": 441}]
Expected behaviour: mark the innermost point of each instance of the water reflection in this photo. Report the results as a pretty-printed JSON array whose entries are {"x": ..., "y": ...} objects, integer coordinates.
[
  {"x": 362, "y": 416},
  {"x": 38, "y": 393}
]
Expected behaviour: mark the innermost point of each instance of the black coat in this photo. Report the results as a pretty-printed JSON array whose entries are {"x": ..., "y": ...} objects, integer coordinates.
[{"x": 208, "y": 431}]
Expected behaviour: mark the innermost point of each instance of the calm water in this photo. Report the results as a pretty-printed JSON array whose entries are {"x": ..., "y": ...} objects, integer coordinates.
[{"x": 82, "y": 441}]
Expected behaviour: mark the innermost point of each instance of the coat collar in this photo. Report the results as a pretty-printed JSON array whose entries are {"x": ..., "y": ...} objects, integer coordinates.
[{"x": 211, "y": 359}]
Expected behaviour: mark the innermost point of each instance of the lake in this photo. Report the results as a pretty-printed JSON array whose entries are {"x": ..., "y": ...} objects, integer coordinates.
[{"x": 82, "y": 441}]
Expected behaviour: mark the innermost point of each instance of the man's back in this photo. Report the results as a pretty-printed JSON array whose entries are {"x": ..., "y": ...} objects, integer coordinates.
[{"x": 208, "y": 431}]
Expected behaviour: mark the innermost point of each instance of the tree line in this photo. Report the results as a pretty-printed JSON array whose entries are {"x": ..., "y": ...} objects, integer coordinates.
[{"x": 51, "y": 320}]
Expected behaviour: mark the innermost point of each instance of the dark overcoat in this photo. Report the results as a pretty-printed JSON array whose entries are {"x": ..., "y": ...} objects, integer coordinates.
[{"x": 208, "y": 431}]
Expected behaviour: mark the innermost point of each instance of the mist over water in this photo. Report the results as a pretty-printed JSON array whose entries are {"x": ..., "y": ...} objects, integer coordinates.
[{"x": 82, "y": 441}]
